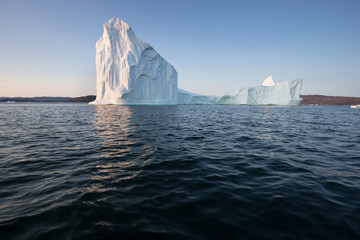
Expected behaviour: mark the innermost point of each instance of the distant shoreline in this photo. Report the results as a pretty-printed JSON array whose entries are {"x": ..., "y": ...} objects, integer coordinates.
[
  {"x": 328, "y": 100},
  {"x": 84, "y": 99},
  {"x": 307, "y": 100}
]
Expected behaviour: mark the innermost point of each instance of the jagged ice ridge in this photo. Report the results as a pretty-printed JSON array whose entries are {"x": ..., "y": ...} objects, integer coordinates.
[{"x": 130, "y": 71}]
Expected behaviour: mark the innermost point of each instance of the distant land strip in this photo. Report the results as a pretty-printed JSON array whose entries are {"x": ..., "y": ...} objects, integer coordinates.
[
  {"x": 84, "y": 99},
  {"x": 328, "y": 100},
  {"x": 307, "y": 99}
]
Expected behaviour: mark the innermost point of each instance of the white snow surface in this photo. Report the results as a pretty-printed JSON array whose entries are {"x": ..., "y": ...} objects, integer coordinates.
[
  {"x": 130, "y": 71},
  {"x": 268, "y": 82}
]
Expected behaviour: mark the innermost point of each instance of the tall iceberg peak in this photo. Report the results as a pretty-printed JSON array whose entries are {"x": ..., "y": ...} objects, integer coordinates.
[
  {"x": 117, "y": 24},
  {"x": 129, "y": 71}
]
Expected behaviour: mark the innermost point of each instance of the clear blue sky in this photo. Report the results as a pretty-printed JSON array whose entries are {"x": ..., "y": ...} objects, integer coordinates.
[{"x": 48, "y": 47}]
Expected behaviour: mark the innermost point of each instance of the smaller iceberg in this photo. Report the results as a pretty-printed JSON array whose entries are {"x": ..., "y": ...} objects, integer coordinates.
[{"x": 269, "y": 93}]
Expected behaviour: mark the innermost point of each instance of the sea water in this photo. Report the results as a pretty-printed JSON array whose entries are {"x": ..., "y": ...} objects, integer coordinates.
[{"x": 76, "y": 171}]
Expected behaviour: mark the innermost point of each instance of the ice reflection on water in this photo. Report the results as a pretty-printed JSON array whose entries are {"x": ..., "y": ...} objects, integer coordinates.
[{"x": 122, "y": 152}]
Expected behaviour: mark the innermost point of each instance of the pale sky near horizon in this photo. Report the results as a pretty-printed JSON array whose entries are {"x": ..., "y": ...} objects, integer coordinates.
[{"x": 47, "y": 48}]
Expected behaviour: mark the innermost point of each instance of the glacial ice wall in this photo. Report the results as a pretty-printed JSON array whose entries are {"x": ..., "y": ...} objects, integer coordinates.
[{"x": 130, "y": 71}]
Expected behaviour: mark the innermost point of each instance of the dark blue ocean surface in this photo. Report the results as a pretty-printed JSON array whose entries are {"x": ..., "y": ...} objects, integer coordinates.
[{"x": 75, "y": 171}]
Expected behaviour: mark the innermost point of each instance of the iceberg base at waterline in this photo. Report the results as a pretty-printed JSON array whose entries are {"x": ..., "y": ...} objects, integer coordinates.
[
  {"x": 284, "y": 93},
  {"x": 131, "y": 72}
]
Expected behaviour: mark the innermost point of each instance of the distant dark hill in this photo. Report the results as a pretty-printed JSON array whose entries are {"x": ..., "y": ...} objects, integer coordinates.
[
  {"x": 35, "y": 99},
  {"x": 88, "y": 98},
  {"x": 329, "y": 100}
]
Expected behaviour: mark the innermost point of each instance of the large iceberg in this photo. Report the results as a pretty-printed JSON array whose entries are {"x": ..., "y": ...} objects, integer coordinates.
[{"x": 130, "y": 71}]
